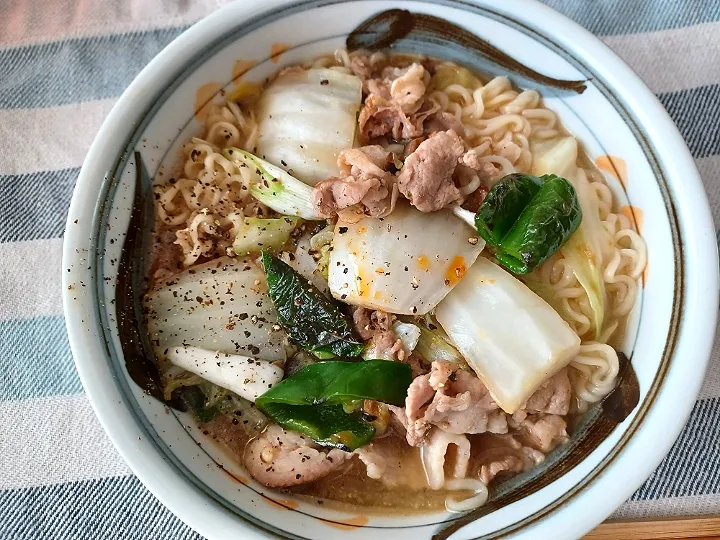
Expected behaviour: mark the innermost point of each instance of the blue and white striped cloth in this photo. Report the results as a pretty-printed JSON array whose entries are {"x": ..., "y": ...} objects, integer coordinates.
[{"x": 63, "y": 63}]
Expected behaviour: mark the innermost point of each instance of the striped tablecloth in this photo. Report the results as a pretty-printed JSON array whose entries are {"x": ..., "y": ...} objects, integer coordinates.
[{"x": 63, "y": 63}]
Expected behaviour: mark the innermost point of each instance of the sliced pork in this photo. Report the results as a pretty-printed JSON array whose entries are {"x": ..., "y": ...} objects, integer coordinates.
[
  {"x": 386, "y": 346},
  {"x": 393, "y": 468},
  {"x": 364, "y": 161},
  {"x": 545, "y": 431},
  {"x": 482, "y": 173},
  {"x": 380, "y": 117},
  {"x": 504, "y": 454},
  {"x": 412, "y": 416},
  {"x": 395, "y": 105},
  {"x": 376, "y": 327},
  {"x": 462, "y": 403},
  {"x": 280, "y": 458},
  {"x": 361, "y": 66},
  {"x": 553, "y": 396},
  {"x": 435, "y": 456},
  {"x": 426, "y": 177},
  {"x": 456, "y": 401},
  {"x": 452, "y": 399},
  {"x": 363, "y": 323},
  {"x": 505, "y": 464},
  {"x": 411, "y": 146},
  {"x": 407, "y": 88},
  {"x": 363, "y": 181},
  {"x": 485, "y": 170},
  {"x": 443, "y": 121}
]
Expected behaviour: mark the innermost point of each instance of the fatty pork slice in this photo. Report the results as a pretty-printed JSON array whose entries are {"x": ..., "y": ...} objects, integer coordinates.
[
  {"x": 282, "y": 458},
  {"x": 452, "y": 399}
]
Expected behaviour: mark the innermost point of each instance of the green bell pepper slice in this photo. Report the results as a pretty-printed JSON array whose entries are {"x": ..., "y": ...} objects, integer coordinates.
[
  {"x": 503, "y": 205},
  {"x": 328, "y": 425},
  {"x": 312, "y": 401},
  {"x": 527, "y": 219},
  {"x": 313, "y": 321}
]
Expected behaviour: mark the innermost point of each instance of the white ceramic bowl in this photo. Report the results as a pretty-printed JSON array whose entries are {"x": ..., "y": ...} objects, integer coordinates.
[{"x": 617, "y": 116}]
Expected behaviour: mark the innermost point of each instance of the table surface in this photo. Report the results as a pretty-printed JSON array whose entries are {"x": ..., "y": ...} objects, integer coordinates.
[
  {"x": 63, "y": 63},
  {"x": 707, "y": 528}
]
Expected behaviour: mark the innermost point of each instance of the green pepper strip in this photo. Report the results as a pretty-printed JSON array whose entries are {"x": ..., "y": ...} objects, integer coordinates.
[
  {"x": 314, "y": 322},
  {"x": 328, "y": 425},
  {"x": 503, "y": 205},
  {"x": 527, "y": 219},
  {"x": 311, "y": 401}
]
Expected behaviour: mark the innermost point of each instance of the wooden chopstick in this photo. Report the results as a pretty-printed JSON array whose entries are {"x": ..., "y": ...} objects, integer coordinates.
[{"x": 707, "y": 528}]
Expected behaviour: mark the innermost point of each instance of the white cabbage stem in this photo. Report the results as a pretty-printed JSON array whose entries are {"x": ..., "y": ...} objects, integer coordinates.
[
  {"x": 247, "y": 377},
  {"x": 404, "y": 263},
  {"x": 321, "y": 238},
  {"x": 408, "y": 333},
  {"x": 222, "y": 306},
  {"x": 588, "y": 248},
  {"x": 275, "y": 187},
  {"x": 509, "y": 336}
]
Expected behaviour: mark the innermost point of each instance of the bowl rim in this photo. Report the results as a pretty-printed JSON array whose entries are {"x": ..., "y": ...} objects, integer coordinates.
[{"x": 688, "y": 201}]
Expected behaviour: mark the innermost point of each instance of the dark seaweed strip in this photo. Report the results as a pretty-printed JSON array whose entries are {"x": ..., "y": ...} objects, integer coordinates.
[{"x": 133, "y": 336}]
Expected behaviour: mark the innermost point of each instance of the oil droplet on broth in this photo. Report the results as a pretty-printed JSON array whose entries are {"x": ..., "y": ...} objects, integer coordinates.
[
  {"x": 204, "y": 97},
  {"x": 456, "y": 270},
  {"x": 277, "y": 49},
  {"x": 424, "y": 263},
  {"x": 635, "y": 215},
  {"x": 614, "y": 166},
  {"x": 350, "y": 523},
  {"x": 240, "y": 68}
]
